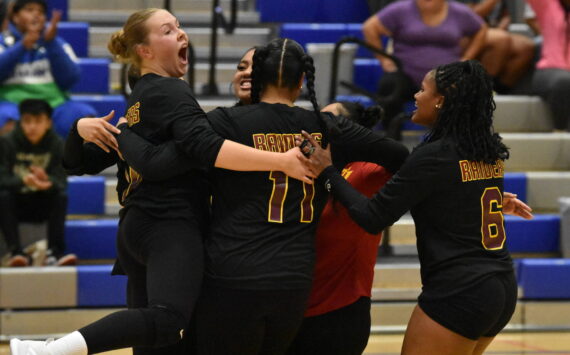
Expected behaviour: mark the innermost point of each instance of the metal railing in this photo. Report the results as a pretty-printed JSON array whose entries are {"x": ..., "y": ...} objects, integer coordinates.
[
  {"x": 190, "y": 75},
  {"x": 218, "y": 20},
  {"x": 334, "y": 70}
]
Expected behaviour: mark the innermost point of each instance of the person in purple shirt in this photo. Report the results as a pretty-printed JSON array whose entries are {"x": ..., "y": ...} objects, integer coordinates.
[{"x": 425, "y": 34}]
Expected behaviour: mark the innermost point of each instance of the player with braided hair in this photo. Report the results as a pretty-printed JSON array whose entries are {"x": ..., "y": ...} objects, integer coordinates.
[
  {"x": 260, "y": 250},
  {"x": 453, "y": 185}
]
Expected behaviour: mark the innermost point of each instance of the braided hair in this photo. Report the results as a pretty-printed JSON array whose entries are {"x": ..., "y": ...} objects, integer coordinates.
[
  {"x": 282, "y": 62},
  {"x": 367, "y": 117},
  {"x": 467, "y": 111}
]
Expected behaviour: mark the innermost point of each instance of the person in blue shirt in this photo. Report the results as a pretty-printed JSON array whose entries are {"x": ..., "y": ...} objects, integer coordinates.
[{"x": 36, "y": 63}]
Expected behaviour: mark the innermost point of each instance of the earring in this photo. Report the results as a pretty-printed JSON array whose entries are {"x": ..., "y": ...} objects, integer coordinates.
[{"x": 438, "y": 106}]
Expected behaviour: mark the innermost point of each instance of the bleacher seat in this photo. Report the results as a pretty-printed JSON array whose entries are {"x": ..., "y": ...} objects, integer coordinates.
[
  {"x": 314, "y": 32},
  {"x": 86, "y": 195},
  {"x": 96, "y": 287},
  {"x": 60, "y": 5},
  {"x": 77, "y": 35},
  {"x": 104, "y": 104},
  {"x": 539, "y": 235},
  {"x": 322, "y": 11},
  {"x": 545, "y": 278},
  {"x": 516, "y": 183},
  {"x": 94, "y": 76},
  {"x": 367, "y": 73},
  {"x": 92, "y": 239}
]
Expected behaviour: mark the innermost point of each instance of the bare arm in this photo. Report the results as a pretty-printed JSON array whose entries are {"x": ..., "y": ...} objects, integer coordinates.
[
  {"x": 239, "y": 157},
  {"x": 484, "y": 8},
  {"x": 476, "y": 44},
  {"x": 373, "y": 30}
]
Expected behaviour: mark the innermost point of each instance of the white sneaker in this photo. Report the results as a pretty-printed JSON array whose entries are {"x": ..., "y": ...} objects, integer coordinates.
[{"x": 29, "y": 347}]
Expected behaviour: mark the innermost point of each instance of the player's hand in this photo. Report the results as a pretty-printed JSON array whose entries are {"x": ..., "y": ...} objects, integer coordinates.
[
  {"x": 294, "y": 166},
  {"x": 98, "y": 130},
  {"x": 29, "y": 180},
  {"x": 319, "y": 158},
  {"x": 39, "y": 173},
  {"x": 513, "y": 206},
  {"x": 51, "y": 30}
]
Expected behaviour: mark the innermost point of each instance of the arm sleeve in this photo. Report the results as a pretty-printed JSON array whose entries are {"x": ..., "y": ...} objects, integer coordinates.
[
  {"x": 352, "y": 142},
  {"x": 153, "y": 162},
  {"x": 63, "y": 63},
  {"x": 9, "y": 57},
  {"x": 8, "y": 180},
  {"x": 192, "y": 132},
  {"x": 80, "y": 158},
  {"x": 416, "y": 180},
  {"x": 55, "y": 171}
]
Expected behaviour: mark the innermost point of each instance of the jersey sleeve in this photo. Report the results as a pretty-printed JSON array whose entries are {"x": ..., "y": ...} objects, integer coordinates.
[
  {"x": 416, "y": 179},
  {"x": 80, "y": 158},
  {"x": 153, "y": 162},
  {"x": 222, "y": 123},
  {"x": 351, "y": 142},
  {"x": 190, "y": 127}
]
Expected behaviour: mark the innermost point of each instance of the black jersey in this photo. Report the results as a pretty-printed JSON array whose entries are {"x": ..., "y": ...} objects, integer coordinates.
[
  {"x": 160, "y": 109},
  {"x": 457, "y": 209},
  {"x": 263, "y": 223}
]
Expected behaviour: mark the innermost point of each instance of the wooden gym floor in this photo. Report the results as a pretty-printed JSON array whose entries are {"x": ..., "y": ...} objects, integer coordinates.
[{"x": 523, "y": 343}]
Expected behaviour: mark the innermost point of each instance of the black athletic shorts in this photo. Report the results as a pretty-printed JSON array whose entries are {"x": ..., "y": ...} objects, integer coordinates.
[{"x": 480, "y": 311}]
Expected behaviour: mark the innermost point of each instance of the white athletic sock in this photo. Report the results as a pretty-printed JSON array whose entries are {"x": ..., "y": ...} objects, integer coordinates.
[{"x": 71, "y": 344}]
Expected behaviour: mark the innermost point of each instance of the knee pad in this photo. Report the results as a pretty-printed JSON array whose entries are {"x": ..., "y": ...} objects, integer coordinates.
[{"x": 167, "y": 324}]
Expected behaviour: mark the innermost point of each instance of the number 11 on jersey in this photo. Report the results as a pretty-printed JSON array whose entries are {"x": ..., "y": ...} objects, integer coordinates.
[{"x": 279, "y": 193}]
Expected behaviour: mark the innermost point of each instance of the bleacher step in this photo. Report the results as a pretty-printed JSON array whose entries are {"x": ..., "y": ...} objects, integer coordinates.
[
  {"x": 133, "y": 5},
  {"x": 236, "y": 44}
]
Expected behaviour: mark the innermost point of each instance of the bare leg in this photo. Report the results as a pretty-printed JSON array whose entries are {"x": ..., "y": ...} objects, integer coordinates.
[
  {"x": 520, "y": 59},
  {"x": 424, "y": 336},
  {"x": 482, "y": 344},
  {"x": 496, "y": 51}
]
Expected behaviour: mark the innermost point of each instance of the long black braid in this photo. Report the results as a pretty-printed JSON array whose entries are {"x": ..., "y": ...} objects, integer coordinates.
[
  {"x": 282, "y": 63},
  {"x": 259, "y": 57},
  {"x": 467, "y": 111}
]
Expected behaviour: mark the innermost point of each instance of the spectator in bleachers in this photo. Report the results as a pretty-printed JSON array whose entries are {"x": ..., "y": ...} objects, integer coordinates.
[
  {"x": 36, "y": 63},
  {"x": 426, "y": 33},
  {"x": 551, "y": 79},
  {"x": 506, "y": 56},
  {"x": 33, "y": 183}
]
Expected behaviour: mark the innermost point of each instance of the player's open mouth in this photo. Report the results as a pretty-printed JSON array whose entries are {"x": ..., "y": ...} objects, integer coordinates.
[{"x": 183, "y": 55}]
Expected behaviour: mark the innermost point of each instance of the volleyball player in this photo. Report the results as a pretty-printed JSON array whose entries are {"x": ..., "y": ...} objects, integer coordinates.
[{"x": 453, "y": 185}]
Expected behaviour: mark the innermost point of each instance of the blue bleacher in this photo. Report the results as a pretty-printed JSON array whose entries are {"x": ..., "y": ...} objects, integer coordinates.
[
  {"x": 94, "y": 76},
  {"x": 97, "y": 288},
  {"x": 104, "y": 104},
  {"x": 77, "y": 35},
  {"x": 322, "y": 11},
  {"x": 86, "y": 195},
  {"x": 539, "y": 235},
  {"x": 516, "y": 183},
  {"x": 544, "y": 278},
  {"x": 60, "y": 5},
  {"x": 92, "y": 239}
]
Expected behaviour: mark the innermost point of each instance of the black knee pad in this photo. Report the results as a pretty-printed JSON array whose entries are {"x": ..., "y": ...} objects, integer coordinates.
[{"x": 167, "y": 324}]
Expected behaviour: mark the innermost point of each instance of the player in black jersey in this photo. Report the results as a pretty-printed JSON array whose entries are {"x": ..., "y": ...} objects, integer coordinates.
[
  {"x": 260, "y": 252},
  {"x": 453, "y": 185},
  {"x": 161, "y": 223}
]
